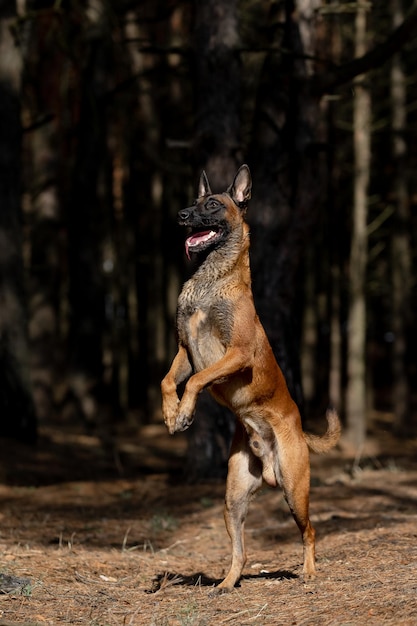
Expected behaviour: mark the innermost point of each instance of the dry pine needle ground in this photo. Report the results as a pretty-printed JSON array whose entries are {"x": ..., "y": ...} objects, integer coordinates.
[{"x": 140, "y": 549}]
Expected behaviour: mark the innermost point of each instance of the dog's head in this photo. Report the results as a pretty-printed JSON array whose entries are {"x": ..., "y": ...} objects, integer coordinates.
[{"x": 212, "y": 217}]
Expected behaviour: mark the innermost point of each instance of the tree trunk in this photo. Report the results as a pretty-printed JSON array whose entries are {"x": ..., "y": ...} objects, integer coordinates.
[
  {"x": 335, "y": 373},
  {"x": 17, "y": 415},
  {"x": 309, "y": 335},
  {"x": 336, "y": 236},
  {"x": 356, "y": 348},
  {"x": 400, "y": 242},
  {"x": 286, "y": 175},
  {"x": 46, "y": 239},
  {"x": 85, "y": 209},
  {"x": 218, "y": 91}
]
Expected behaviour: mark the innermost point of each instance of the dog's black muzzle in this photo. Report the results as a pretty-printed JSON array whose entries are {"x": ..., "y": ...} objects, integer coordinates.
[
  {"x": 206, "y": 213},
  {"x": 184, "y": 216},
  {"x": 196, "y": 219}
]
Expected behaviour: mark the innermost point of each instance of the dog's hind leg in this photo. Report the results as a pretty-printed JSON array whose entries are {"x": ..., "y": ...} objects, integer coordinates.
[
  {"x": 243, "y": 480},
  {"x": 294, "y": 469}
]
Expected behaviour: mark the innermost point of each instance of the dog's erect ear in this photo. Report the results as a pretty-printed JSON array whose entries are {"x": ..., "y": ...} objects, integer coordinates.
[
  {"x": 203, "y": 185},
  {"x": 241, "y": 188}
]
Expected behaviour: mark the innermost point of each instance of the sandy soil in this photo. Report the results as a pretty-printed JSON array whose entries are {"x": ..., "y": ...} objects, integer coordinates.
[{"x": 104, "y": 535}]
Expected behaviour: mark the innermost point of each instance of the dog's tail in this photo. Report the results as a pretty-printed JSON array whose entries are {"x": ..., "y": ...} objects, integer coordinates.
[{"x": 324, "y": 443}]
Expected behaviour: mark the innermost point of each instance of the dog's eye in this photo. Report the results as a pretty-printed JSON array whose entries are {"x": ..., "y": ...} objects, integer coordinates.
[{"x": 213, "y": 205}]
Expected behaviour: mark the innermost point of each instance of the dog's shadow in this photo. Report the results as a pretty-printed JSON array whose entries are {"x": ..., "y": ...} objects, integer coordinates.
[{"x": 167, "y": 579}]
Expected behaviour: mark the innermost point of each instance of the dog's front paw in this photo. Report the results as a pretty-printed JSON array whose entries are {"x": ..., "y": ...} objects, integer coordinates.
[
  {"x": 170, "y": 413},
  {"x": 177, "y": 422},
  {"x": 186, "y": 410},
  {"x": 183, "y": 422}
]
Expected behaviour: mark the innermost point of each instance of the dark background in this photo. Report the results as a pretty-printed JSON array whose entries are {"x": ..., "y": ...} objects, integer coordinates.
[{"x": 108, "y": 113}]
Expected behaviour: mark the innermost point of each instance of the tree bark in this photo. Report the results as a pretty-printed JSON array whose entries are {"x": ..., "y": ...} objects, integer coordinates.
[
  {"x": 217, "y": 146},
  {"x": 356, "y": 348},
  {"x": 85, "y": 212},
  {"x": 400, "y": 242},
  {"x": 17, "y": 414},
  {"x": 286, "y": 175},
  {"x": 46, "y": 233},
  {"x": 309, "y": 339}
]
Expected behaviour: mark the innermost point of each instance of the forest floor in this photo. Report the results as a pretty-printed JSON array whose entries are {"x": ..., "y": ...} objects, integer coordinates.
[{"x": 98, "y": 537}]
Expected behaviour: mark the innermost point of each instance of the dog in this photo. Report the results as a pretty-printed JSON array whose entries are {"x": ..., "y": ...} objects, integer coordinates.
[{"x": 223, "y": 347}]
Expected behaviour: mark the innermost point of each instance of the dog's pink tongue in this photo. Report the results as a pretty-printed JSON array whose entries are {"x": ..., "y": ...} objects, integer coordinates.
[{"x": 196, "y": 239}]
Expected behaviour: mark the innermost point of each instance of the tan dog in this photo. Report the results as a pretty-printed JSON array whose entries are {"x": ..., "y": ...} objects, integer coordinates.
[{"x": 222, "y": 346}]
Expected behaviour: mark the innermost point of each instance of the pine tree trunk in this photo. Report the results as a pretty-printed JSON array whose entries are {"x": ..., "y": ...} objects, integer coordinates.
[
  {"x": 17, "y": 415},
  {"x": 356, "y": 352},
  {"x": 286, "y": 186},
  {"x": 309, "y": 335},
  {"x": 335, "y": 373},
  {"x": 85, "y": 218},
  {"x": 400, "y": 242},
  {"x": 45, "y": 270},
  {"x": 218, "y": 90}
]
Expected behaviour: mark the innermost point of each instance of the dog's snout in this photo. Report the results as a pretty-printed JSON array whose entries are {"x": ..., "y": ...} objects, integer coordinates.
[{"x": 184, "y": 214}]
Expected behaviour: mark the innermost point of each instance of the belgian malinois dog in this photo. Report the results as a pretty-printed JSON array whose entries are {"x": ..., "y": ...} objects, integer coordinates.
[{"x": 222, "y": 346}]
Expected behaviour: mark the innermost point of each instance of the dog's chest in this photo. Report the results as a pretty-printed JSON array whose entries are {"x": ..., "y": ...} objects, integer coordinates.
[{"x": 204, "y": 327}]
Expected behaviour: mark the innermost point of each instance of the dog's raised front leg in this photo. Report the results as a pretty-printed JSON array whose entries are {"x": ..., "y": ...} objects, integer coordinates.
[
  {"x": 244, "y": 478},
  {"x": 233, "y": 361},
  {"x": 180, "y": 370}
]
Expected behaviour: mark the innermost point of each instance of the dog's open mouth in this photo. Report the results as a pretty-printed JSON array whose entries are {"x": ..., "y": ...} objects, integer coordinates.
[{"x": 200, "y": 240}]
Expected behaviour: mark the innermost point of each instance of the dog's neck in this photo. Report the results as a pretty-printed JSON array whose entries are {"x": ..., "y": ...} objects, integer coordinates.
[{"x": 221, "y": 261}]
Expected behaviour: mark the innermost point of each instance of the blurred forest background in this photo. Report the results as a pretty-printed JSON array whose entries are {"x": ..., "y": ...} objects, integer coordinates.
[{"x": 109, "y": 109}]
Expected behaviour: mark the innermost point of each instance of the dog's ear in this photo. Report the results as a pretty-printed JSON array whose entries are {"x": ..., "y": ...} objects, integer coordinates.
[
  {"x": 203, "y": 185},
  {"x": 241, "y": 188}
]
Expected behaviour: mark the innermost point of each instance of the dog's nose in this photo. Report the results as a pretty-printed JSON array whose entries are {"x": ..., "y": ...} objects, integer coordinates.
[{"x": 184, "y": 214}]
